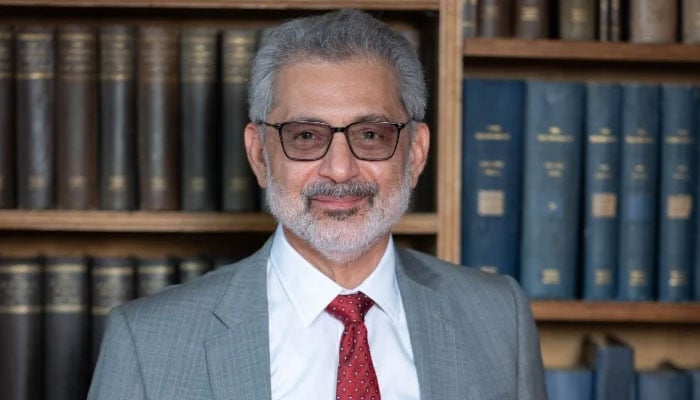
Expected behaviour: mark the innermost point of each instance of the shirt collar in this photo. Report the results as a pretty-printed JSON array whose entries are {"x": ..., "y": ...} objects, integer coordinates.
[{"x": 310, "y": 291}]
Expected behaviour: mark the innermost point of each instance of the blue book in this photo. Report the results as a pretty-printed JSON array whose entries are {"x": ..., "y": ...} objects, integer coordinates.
[
  {"x": 695, "y": 287},
  {"x": 663, "y": 385},
  {"x": 613, "y": 365},
  {"x": 677, "y": 196},
  {"x": 639, "y": 191},
  {"x": 695, "y": 383},
  {"x": 569, "y": 384},
  {"x": 551, "y": 193},
  {"x": 601, "y": 182},
  {"x": 491, "y": 173}
]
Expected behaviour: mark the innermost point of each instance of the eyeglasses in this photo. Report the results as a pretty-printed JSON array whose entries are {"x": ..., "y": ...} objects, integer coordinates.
[{"x": 310, "y": 141}]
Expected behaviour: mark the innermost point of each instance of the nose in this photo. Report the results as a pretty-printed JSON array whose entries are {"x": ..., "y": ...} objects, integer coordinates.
[{"x": 339, "y": 164}]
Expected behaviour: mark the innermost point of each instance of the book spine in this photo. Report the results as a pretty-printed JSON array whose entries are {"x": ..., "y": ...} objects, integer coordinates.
[
  {"x": 492, "y": 136},
  {"x": 677, "y": 195},
  {"x": 691, "y": 23},
  {"x": 35, "y": 117},
  {"x": 117, "y": 118},
  {"x": 66, "y": 328},
  {"x": 663, "y": 384},
  {"x": 158, "y": 116},
  {"x": 551, "y": 193},
  {"x": 494, "y": 18},
  {"x": 532, "y": 19},
  {"x": 577, "y": 19},
  {"x": 469, "y": 17},
  {"x": 653, "y": 21},
  {"x": 695, "y": 285},
  {"x": 76, "y": 118},
  {"x": 617, "y": 16},
  {"x": 239, "y": 184},
  {"x": 21, "y": 363},
  {"x": 153, "y": 275},
  {"x": 638, "y": 194},
  {"x": 112, "y": 283},
  {"x": 7, "y": 128},
  {"x": 601, "y": 181},
  {"x": 569, "y": 384},
  {"x": 614, "y": 372},
  {"x": 695, "y": 383},
  {"x": 604, "y": 20},
  {"x": 193, "y": 267},
  {"x": 198, "y": 61}
]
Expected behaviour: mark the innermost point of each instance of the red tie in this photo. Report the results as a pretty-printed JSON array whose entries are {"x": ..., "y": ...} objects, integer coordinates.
[{"x": 356, "y": 377}]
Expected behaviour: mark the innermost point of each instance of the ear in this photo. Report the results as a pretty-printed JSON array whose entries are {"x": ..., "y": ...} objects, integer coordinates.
[
  {"x": 254, "y": 151},
  {"x": 419, "y": 150}
]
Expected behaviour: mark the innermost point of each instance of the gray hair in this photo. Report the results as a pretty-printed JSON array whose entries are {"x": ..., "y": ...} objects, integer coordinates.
[{"x": 335, "y": 36}]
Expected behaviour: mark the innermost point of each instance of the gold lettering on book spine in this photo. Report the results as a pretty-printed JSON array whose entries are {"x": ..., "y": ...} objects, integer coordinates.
[
  {"x": 679, "y": 206},
  {"x": 77, "y": 54},
  {"x": 602, "y": 277},
  {"x": 35, "y": 56},
  {"x": 117, "y": 58},
  {"x": 64, "y": 293},
  {"x": 677, "y": 278},
  {"x": 529, "y": 14},
  {"x": 238, "y": 55},
  {"x": 603, "y": 136},
  {"x": 491, "y": 203},
  {"x": 20, "y": 289},
  {"x": 604, "y": 205},
  {"x": 111, "y": 287},
  {"x": 158, "y": 58},
  {"x": 199, "y": 61},
  {"x": 637, "y": 278},
  {"x": 5, "y": 55},
  {"x": 555, "y": 135},
  {"x": 551, "y": 276}
]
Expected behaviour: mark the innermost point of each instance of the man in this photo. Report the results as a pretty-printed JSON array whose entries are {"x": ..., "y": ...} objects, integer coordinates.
[{"x": 329, "y": 308}]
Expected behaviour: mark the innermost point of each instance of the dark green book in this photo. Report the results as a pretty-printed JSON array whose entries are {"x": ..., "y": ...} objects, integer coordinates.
[{"x": 7, "y": 120}]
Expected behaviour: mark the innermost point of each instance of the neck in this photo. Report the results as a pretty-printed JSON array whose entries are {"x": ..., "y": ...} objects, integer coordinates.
[{"x": 349, "y": 273}]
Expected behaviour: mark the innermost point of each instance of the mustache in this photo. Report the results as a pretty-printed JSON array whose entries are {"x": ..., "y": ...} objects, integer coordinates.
[{"x": 350, "y": 188}]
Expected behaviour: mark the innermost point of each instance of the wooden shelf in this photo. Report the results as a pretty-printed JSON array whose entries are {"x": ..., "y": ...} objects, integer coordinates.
[
  {"x": 234, "y": 4},
  {"x": 141, "y": 221},
  {"x": 581, "y": 51},
  {"x": 624, "y": 312}
]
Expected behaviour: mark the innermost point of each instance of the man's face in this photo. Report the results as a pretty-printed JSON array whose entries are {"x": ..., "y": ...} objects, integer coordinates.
[{"x": 339, "y": 205}]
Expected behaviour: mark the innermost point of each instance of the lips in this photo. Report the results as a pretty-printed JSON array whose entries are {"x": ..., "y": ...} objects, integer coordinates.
[{"x": 333, "y": 202}]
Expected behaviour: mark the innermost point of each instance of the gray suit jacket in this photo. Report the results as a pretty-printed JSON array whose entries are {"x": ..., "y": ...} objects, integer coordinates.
[{"x": 472, "y": 335}]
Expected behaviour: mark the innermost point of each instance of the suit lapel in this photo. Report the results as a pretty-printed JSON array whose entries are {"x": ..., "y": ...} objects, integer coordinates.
[
  {"x": 440, "y": 335},
  {"x": 238, "y": 359}
]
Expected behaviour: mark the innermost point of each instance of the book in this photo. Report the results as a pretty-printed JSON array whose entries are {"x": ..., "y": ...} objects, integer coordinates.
[
  {"x": 695, "y": 383},
  {"x": 604, "y": 20},
  {"x": 199, "y": 111},
  {"x": 577, "y": 19},
  {"x": 569, "y": 384},
  {"x": 7, "y": 120},
  {"x": 158, "y": 116},
  {"x": 551, "y": 191},
  {"x": 493, "y": 139},
  {"x": 239, "y": 183},
  {"x": 601, "y": 181},
  {"x": 21, "y": 360},
  {"x": 532, "y": 19},
  {"x": 153, "y": 275},
  {"x": 618, "y": 17},
  {"x": 66, "y": 328},
  {"x": 117, "y": 117},
  {"x": 691, "y": 21},
  {"x": 664, "y": 384},
  {"x": 638, "y": 192},
  {"x": 612, "y": 361},
  {"x": 469, "y": 17},
  {"x": 112, "y": 283},
  {"x": 34, "y": 74},
  {"x": 494, "y": 18},
  {"x": 653, "y": 21},
  {"x": 678, "y": 172},
  {"x": 76, "y": 117},
  {"x": 193, "y": 267}
]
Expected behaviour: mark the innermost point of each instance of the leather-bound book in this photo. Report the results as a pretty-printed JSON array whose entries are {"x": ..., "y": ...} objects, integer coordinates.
[
  {"x": 34, "y": 108},
  {"x": 193, "y": 267},
  {"x": 577, "y": 19},
  {"x": 198, "y": 85},
  {"x": 532, "y": 19},
  {"x": 153, "y": 275},
  {"x": 494, "y": 18},
  {"x": 239, "y": 184},
  {"x": 691, "y": 25},
  {"x": 117, "y": 117},
  {"x": 113, "y": 283},
  {"x": 604, "y": 20},
  {"x": 21, "y": 358},
  {"x": 66, "y": 328},
  {"x": 158, "y": 117},
  {"x": 76, "y": 117},
  {"x": 618, "y": 19},
  {"x": 7, "y": 120},
  {"x": 653, "y": 21},
  {"x": 469, "y": 17}
]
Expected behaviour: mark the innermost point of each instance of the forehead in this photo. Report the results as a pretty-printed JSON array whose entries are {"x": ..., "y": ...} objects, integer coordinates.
[{"x": 337, "y": 91}]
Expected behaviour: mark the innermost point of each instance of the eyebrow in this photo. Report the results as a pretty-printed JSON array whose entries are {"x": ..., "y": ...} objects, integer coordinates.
[{"x": 361, "y": 118}]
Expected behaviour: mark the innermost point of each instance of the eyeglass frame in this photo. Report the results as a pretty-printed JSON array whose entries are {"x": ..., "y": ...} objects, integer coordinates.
[{"x": 335, "y": 129}]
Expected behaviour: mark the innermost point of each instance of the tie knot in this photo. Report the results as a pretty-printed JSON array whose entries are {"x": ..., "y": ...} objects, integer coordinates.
[{"x": 349, "y": 308}]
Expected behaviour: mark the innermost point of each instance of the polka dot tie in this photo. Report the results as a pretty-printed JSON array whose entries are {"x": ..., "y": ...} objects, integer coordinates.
[{"x": 356, "y": 377}]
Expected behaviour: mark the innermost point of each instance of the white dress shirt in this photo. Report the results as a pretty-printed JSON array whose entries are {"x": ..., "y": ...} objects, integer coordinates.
[{"x": 305, "y": 340}]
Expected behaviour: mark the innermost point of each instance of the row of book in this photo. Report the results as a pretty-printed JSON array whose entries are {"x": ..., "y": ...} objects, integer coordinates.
[
  {"x": 53, "y": 311},
  {"x": 640, "y": 21},
  {"x": 583, "y": 189},
  {"x": 124, "y": 118},
  {"x": 607, "y": 372}
]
